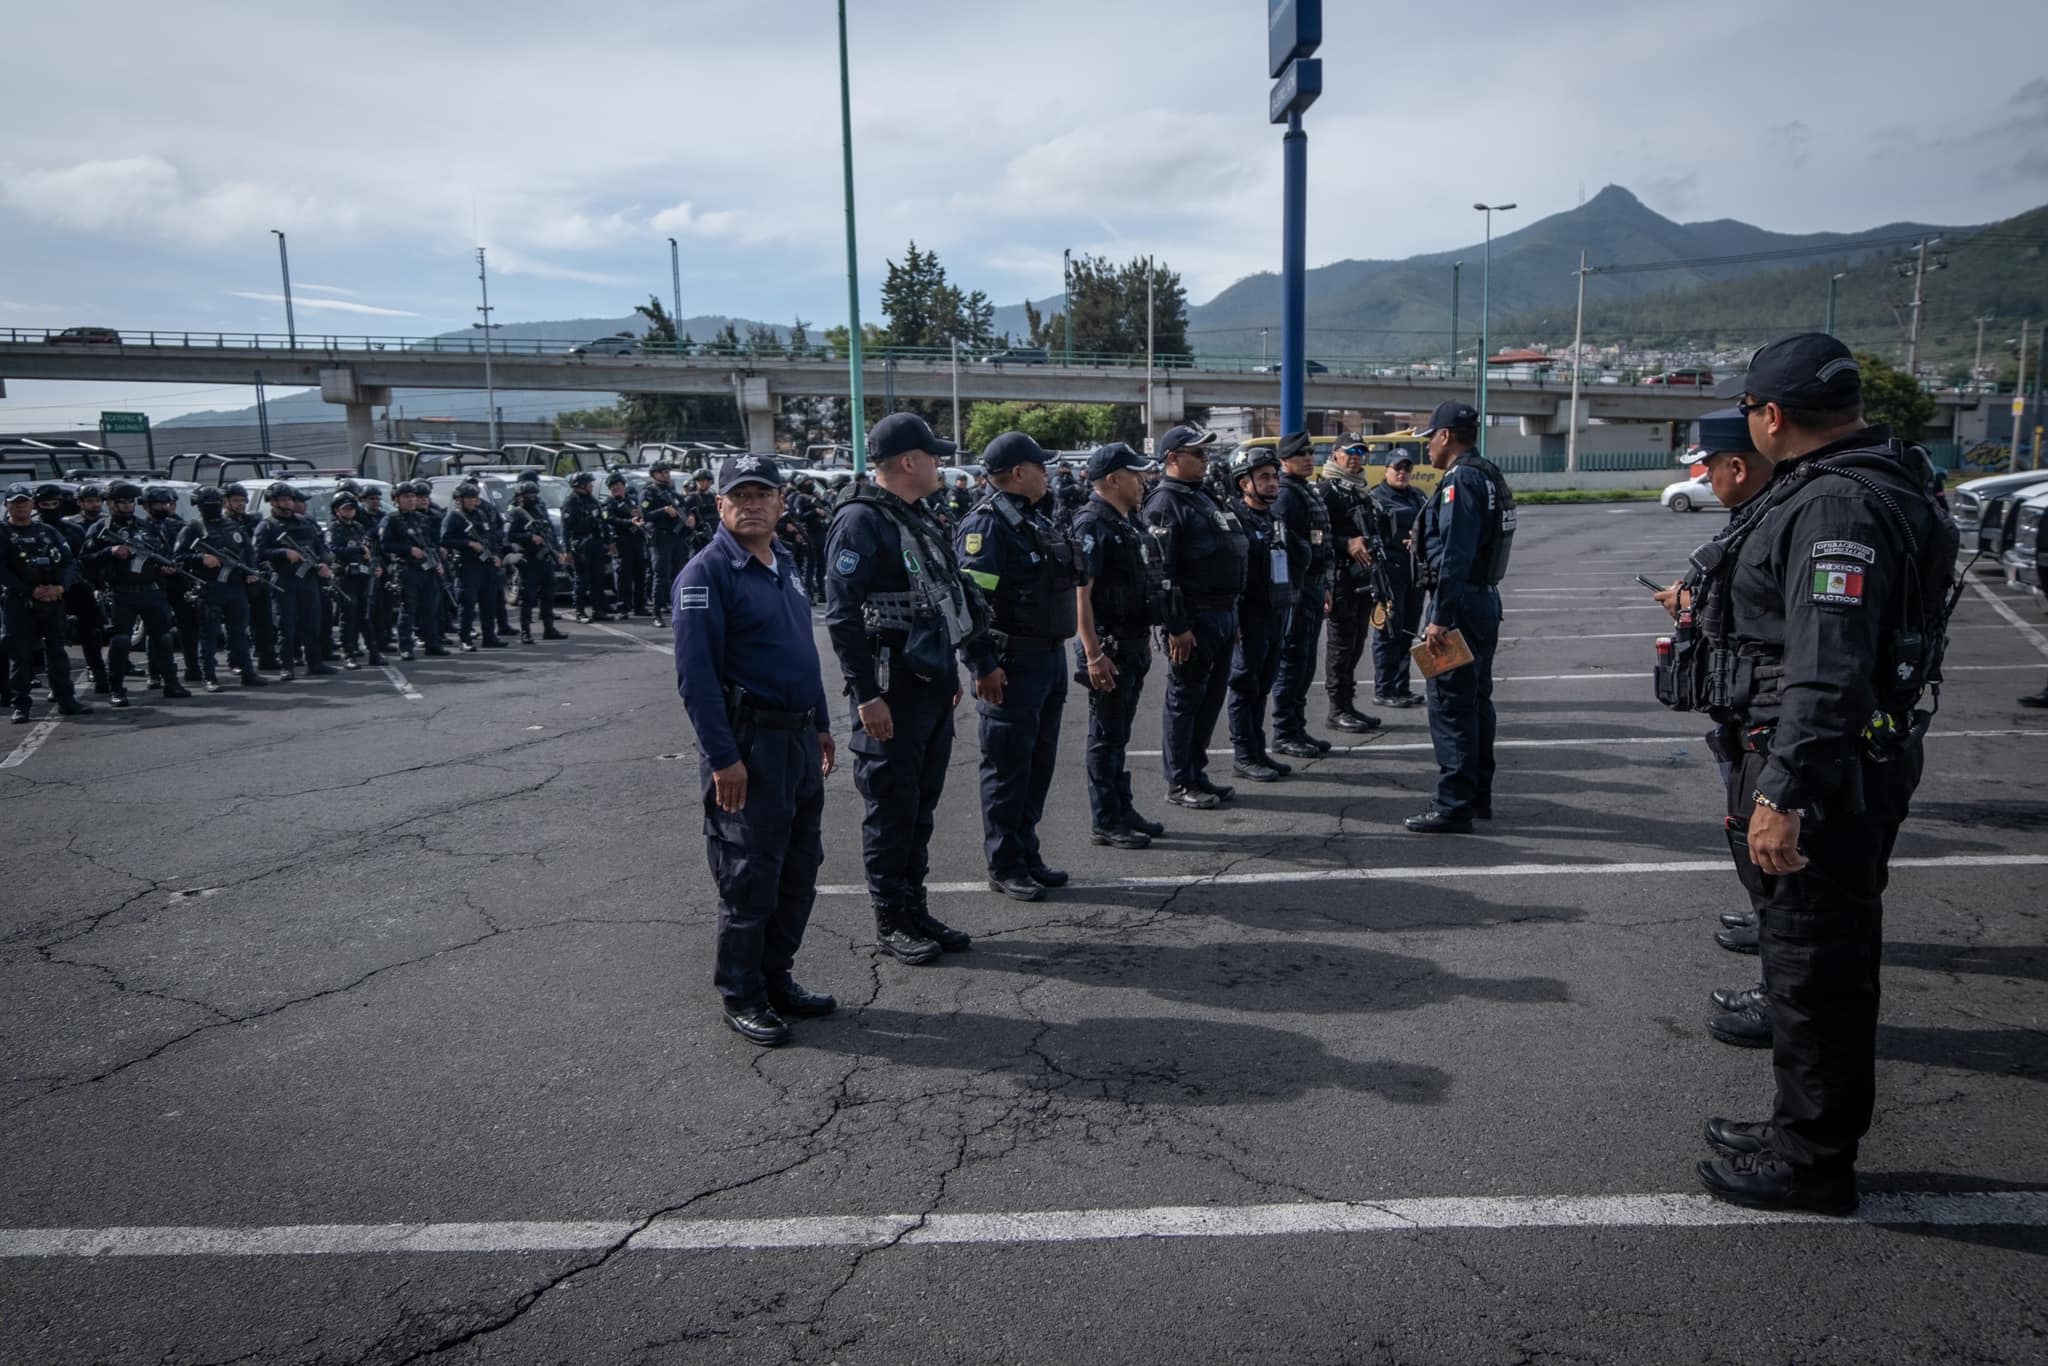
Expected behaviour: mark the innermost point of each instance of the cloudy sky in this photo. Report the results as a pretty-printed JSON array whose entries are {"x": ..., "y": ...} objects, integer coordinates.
[{"x": 152, "y": 147}]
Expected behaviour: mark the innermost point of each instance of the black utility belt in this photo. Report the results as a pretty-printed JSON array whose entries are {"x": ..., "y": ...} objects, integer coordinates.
[
  {"x": 1208, "y": 602},
  {"x": 1004, "y": 641},
  {"x": 778, "y": 720}
]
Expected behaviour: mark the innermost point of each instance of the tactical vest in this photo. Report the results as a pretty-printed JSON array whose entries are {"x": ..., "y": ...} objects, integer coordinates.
[
  {"x": 1130, "y": 595},
  {"x": 1212, "y": 564},
  {"x": 1491, "y": 565},
  {"x": 1322, "y": 553},
  {"x": 36, "y": 553},
  {"x": 1043, "y": 606},
  {"x": 938, "y": 592}
]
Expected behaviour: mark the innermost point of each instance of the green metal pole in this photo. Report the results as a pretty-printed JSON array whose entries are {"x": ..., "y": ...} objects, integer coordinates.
[{"x": 859, "y": 404}]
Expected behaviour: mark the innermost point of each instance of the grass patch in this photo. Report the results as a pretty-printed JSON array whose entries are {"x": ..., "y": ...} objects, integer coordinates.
[{"x": 1589, "y": 496}]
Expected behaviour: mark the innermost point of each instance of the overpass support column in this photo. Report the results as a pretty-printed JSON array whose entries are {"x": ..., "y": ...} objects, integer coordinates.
[
  {"x": 1168, "y": 405},
  {"x": 758, "y": 409},
  {"x": 360, "y": 430},
  {"x": 338, "y": 385}
]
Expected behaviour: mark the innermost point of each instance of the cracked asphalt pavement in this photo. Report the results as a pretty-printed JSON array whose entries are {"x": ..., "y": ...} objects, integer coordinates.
[{"x": 324, "y": 955}]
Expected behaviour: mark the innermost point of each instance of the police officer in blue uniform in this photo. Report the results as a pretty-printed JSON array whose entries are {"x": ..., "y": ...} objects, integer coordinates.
[
  {"x": 36, "y": 566},
  {"x": 468, "y": 537},
  {"x": 291, "y": 544},
  {"x": 1121, "y": 598},
  {"x": 1462, "y": 542},
  {"x": 1203, "y": 547},
  {"x": 898, "y": 610},
  {"x": 747, "y": 669},
  {"x": 1026, "y": 569},
  {"x": 133, "y": 558},
  {"x": 1398, "y": 503},
  {"x": 1304, "y": 519},
  {"x": 218, "y": 551},
  {"x": 1262, "y": 612},
  {"x": 668, "y": 533}
]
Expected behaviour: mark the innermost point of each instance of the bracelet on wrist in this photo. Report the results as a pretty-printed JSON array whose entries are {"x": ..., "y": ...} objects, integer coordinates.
[{"x": 1765, "y": 802}]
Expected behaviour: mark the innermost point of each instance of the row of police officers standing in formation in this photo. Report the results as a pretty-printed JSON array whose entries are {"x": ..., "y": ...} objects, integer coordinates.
[{"x": 1809, "y": 632}]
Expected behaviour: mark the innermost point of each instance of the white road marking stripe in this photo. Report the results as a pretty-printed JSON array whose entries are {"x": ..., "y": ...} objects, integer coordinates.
[
  {"x": 2014, "y": 1208},
  {"x": 641, "y": 641},
  {"x": 400, "y": 682},
  {"x": 2032, "y": 636},
  {"x": 30, "y": 743},
  {"x": 1652, "y": 635},
  {"x": 1430, "y": 872},
  {"x": 1603, "y": 741}
]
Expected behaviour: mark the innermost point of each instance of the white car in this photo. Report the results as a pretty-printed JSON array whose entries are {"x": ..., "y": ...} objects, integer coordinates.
[{"x": 1689, "y": 494}]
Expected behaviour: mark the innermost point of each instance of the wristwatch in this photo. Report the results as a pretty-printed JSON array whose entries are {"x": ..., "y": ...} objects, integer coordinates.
[{"x": 1761, "y": 800}]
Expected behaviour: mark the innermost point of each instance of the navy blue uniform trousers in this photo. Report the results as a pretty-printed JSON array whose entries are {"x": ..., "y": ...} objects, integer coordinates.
[
  {"x": 35, "y": 635},
  {"x": 900, "y": 780},
  {"x": 1461, "y": 710},
  {"x": 1020, "y": 741},
  {"x": 298, "y": 620},
  {"x": 226, "y": 617},
  {"x": 1261, "y": 636},
  {"x": 1390, "y": 643},
  {"x": 1110, "y": 715},
  {"x": 764, "y": 858},
  {"x": 1194, "y": 698},
  {"x": 1298, "y": 662}
]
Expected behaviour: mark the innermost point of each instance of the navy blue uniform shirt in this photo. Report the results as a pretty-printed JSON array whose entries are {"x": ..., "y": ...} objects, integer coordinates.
[
  {"x": 738, "y": 621},
  {"x": 1449, "y": 533}
]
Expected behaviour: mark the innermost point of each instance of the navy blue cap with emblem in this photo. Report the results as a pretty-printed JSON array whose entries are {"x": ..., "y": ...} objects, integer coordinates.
[
  {"x": 1107, "y": 460},
  {"x": 1804, "y": 370},
  {"x": 20, "y": 493},
  {"x": 1725, "y": 431},
  {"x": 748, "y": 469},
  {"x": 1183, "y": 437},
  {"x": 1450, "y": 415},
  {"x": 902, "y": 433},
  {"x": 1010, "y": 450}
]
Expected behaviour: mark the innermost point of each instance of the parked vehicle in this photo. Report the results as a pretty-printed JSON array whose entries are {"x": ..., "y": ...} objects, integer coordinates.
[
  {"x": 1690, "y": 494},
  {"x": 1313, "y": 367},
  {"x": 1997, "y": 519},
  {"x": 1966, "y": 500},
  {"x": 2022, "y": 563}
]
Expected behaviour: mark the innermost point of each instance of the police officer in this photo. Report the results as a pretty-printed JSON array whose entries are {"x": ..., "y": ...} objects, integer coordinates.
[
  {"x": 1355, "y": 528},
  {"x": 291, "y": 544},
  {"x": 1121, "y": 598},
  {"x": 261, "y": 594},
  {"x": 467, "y": 536},
  {"x": 747, "y": 669},
  {"x": 411, "y": 543},
  {"x": 1462, "y": 541},
  {"x": 814, "y": 519},
  {"x": 160, "y": 514},
  {"x": 538, "y": 552},
  {"x": 217, "y": 551},
  {"x": 1304, "y": 519},
  {"x": 1398, "y": 503},
  {"x": 1822, "y": 610},
  {"x": 81, "y": 600},
  {"x": 380, "y": 609},
  {"x": 589, "y": 537},
  {"x": 135, "y": 562},
  {"x": 961, "y": 497},
  {"x": 1204, "y": 548},
  {"x": 1026, "y": 568},
  {"x": 36, "y": 566},
  {"x": 1262, "y": 612},
  {"x": 702, "y": 509},
  {"x": 898, "y": 609},
  {"x": 351, "y": 542},
  {"x": 629, "y": 546},
  {"x": 668, "y": 533}
]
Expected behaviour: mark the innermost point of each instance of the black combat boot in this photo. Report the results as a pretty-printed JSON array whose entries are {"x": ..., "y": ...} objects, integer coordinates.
[
  {"x": 938, "y": 931},
  {"x": 898, "y": 938}
]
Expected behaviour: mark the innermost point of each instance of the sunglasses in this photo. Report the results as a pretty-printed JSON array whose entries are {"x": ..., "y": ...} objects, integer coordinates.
[{"x": 1745, "y": 407}]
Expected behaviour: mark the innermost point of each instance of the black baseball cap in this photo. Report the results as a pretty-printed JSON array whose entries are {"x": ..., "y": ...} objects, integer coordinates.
[
  {"x": 1183, "y": 437},
  {"x": 1723, "y": 431},
  {"x": 1400, "y": 457},
  {"x": 748, "y": 469},
  {"x": 1010, "y": 450},
  {"x": 1296, "y": 443},
  {"x": 1107, "y": 460},
  {"x": 1804, "y": 370},
  {"x": 901, "y": 433},
  {"x": 1450, "y": 415}
]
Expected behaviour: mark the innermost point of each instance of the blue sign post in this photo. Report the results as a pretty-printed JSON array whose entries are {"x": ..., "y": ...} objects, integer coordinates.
[{"x": 1294, "y": 30}]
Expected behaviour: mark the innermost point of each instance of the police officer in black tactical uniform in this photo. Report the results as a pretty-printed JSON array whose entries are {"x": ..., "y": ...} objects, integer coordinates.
[
  {"x": 530, "y": 538},
  {"x": 467, "y": 536},
  {"x": 747, "y": 669},
  {"x": 1354, "y": 526},
  {"x": 668, "y": 533},
  {"x": 1820, "y": 613},
  {"x": 352, "y": 544},
  {"x": 1304, "y": 519},
  {"x": 262, "y": 622},
  {"x": 814, "y": 518},
  {"x": 36, "y": 566},
  {"x": 701, "y": 508},
  {"x": 960, "y": 498},
  {"x": 81, "y": 597},
  {"x": 1462, "y": 541},
  {"x": 898, "y": 609},
  {"x": 1204, "y": 549},
  {"x": 218, "y": 551},
  {"x": 291, "y": 544},
  {"x": 133, "y": 556},
  {"x": 379, "y": 611},
  {"x": 1122, "y": 596},
  {"x": 589, "y": 537},
  {"x": 1262, "y": 612},
  {"x": 1398, "y": 503},
  {"x": 1026, "y": 568},
  {"x": 411, "y": 542},
  {"x": 629, "y": 545},
  {"x": 160, "y": 513}
]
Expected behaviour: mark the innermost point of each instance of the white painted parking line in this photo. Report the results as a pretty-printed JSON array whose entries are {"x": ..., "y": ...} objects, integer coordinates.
[
  {"x": 1612, "y": 673},
  {"x": 1498, "y": 1213},
  {"x": 1434, "y": 872},
  {"x": 2012, "y": 618},
  {"x": 399, "y": 681},
  {"x": 1604, "y": 741},
  {"x": 30, "y": 743},
  {"x": 659, "y": 647},
  {"x": 1567, "y": 638}
]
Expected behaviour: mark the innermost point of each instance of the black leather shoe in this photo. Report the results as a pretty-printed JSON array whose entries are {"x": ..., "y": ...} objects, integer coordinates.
[
  {"x": 213, "y": 685},
  {"x": 1299, "y": 748},
  {"x": 1763, "y": 1180},
  {"x": 118, "y": 700},
  {"x": 376, "y": 660},
  {"x": 1017, "y": 886},
  {"x": 173, "y": 691},
  {"x": 1222, "y": 792},
  {"x": 322, "y": 671},
  {"x": 939, "y": 932},
  {"x": 1738, "y": 920},
  {"x": 1046, "y": 876},
  {"x": 496, "y": 643},
  {"x": 406, "y": 656},
  {"x": 1270, "y": 762},
  {"x": 1737, "y": 940},
  {"x": 74, "y": 707},
  {"x": 1739, "y": 1136},
  {"x": 468, "y": 647},
  {"x": 1435, "y": 822},
  {"x": 352, "y": 662},
  {"x": 552, "y": 634},
  {"x": 1482, "y": 813},
  {"x": 799, "y": 1004},
  {"x": 439, "y": 652},
  {"x": 1120, "y": 838},
  {"x": 1255, "y": 770},
  {"x": 2038, "y": 699},
  {"x": 1746, "y": 1028},
  {"x": 526, "y": 637},
  {"x": 21, "y": 716},
  {"x": 1352, "y": 721},
  {"x": 760, "y": 1025},
  {"x": 1732, "y": 998},
  {"x": 1151, "y": 829},
  {"x": 252, "y": 679},
  {"x": 1194, "y": 799}
]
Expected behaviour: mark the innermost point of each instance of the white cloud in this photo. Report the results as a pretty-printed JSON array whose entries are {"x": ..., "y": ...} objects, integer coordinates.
[
  {"x": 680, "y": 219},
  {"x": 505, "y": 261},
  {"x": 322, "y": 305},
  {"x": 147, "y": 195},
  {"x": 326, "y": 289}
]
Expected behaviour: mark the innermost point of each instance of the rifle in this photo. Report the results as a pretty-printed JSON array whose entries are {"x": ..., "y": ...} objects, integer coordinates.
[
  {"x": 1380, "y": 583},
  {"x": 148, "y": 556},
  {"x": 432, "y": 561},
  {"x": 205, "y": 546}
]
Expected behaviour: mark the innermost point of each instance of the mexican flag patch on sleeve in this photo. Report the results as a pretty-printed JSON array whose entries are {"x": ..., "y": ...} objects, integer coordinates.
[{"x": 1841, "y": 584}]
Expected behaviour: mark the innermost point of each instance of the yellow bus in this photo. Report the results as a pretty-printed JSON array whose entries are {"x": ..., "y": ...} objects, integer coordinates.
[{"x": 1379, "y": 448}]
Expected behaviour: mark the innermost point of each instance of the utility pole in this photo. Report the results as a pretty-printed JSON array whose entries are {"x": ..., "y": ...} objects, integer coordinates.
[
  {"x": 2019, "y": 398},
  {"x": 1485, "y": 307},
  {"x": 1919, "y": 299},
  {"x": 1977, "y": 366},
  {"x": 1067, "y": 302},
  {"x": 675, "y": 268},
  {"x": 859, "y": 422},
  {"x": 957, "y": 438},
  {"x": 1264, "y": 355},
  {"x": 1833, "y": 281},
  {"x": 490, "y": 388},
  {"x": 1151, "y": 273},
  {"x": 1456, "y": 266},
  {"x": 263, "y": 414},
  {"x": 1571, "y": 443},
  {"x": 284, "y": 267}
]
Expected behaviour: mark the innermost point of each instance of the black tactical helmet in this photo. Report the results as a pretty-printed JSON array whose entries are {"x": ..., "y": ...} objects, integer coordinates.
[
  {"x": 420, "y": 488},
  {"x": 158, "y": 494},
  {"x": 468, "y": 490},
  {"x": 343, "y": 499},
  {"x": 49, "y": 493},
  {"x": 1251, "y": 458},
  {"x": 527, "y": 488},
  {"x": 614, "y": 478},
  {"x": 91, "y": 491},
  {"x": 705, "y": 475},
  {"x": 281, "y": 489},
  {"x": 660, "y": 467},
  {"x": 372, "y": 491},
  {"x": 347, "y": 486},
  {"x": 582, "y": 479},
  {"x": 235, "y": 491},
  {"x": 208, "y": 497}
]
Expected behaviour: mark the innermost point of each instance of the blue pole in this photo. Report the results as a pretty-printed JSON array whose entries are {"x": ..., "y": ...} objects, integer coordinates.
[{"x": 1293, "y": 282}]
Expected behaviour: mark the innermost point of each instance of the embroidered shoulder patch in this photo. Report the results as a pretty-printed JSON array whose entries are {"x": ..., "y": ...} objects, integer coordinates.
[
  {"x": 974, "y": 542},
  {"x": 1088, "y": 544},
  {"x": 1450, "y": 493},
  {"x": 848, "y": 561},
  {"x": 1838, "y": 583},
  {"x": 1827, "y": 550},
  {"x": 693, "y": 598}
]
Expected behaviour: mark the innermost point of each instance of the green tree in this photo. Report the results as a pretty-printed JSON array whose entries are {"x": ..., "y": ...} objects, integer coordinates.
[
  {"x": 1893, "y": 397},
  {"x": 673, "y": 417},
  {"x": 1107, "y": 308},
  {"x": 1056, "y": 426}
]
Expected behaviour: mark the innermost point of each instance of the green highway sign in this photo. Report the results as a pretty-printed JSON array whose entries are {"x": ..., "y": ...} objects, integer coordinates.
[{"x": 137, "y": 423}]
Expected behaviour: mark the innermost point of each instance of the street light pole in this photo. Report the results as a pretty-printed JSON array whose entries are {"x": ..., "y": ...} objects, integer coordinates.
[
  {"x": 1485, "y": 306},
  {"x": 675, "y": 270},
  {"x": 956, "y": 389},
  {"x": 1264, "y": 356},
  {"x": 1456, "y": 266},
  {"x": 860, "y": 435},
  {"x": 1151, "y": 273},
  {"x": 490, "y": 388},
  {"x": 1833, "y": 281},
  {"x": 1067, "y": 302},
  {"x": 1571, "y": 441},
  {"x": 2019, "y": 397},
  {"x": 284, "y": 267}
]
